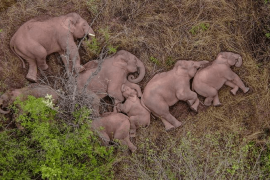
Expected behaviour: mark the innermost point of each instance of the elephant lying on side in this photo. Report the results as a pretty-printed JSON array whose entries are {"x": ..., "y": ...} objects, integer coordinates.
[
  {"x": 138, "y": 115},
  {"x": 114, "y": 126},
  {"x": 166, "y": 88},
  {"x": 35, "y": 90},
  {"x": 113, "y": 74},
  {"x": 209, "y": 80},
  {"x": 39, "y": 37}
]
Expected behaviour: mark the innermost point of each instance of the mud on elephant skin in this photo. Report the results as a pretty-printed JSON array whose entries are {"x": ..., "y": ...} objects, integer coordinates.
[
  {"x": 114, "y": 126},
  {"x": 115, "y": 71},
  {"x": 38, "y": 37},
  {"x": 210, "y": 79},
  {"x": 166, "y": 88},
  {"x": 138, "y": 115}
]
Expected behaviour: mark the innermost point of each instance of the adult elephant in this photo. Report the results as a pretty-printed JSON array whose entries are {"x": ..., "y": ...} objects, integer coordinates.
[
  {"x": 166, "y": 88},
  {"x": 209, "y": 80},
  {"x": 39, "y": 37},
  {"x": 115, "y": 71}
]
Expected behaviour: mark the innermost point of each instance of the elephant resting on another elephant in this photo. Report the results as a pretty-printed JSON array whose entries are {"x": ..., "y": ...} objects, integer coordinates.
[
  {"x": 138, "y": 115},
  {"x": 39, "y": 37},
  {"x": 209, "y": 80},
  {"x": 112, "y": 75},
  {"x": 166, "y": 88},
  {"x": 114, "y": 126}
]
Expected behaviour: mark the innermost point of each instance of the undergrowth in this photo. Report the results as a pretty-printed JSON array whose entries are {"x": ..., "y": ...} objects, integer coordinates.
[{"x": 51, "y": 149}]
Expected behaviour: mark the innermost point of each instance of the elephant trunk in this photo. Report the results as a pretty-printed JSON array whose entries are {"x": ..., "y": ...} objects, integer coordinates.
[
  {"x": 238, "y": 62},
  {"x": 1, "y": 110},
  {"x": 141, "y": 70}
]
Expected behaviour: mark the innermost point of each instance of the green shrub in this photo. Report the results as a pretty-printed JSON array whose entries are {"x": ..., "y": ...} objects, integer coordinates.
[{"x": 52, "y": 149}]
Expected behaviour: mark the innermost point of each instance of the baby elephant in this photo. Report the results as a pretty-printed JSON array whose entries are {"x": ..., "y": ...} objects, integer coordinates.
[
  {"x": 210, "y": 79},
  {"x": 138, "y": 115},
  {"x": 114, "y": 126},
  {"x": 35, "y": 90}
]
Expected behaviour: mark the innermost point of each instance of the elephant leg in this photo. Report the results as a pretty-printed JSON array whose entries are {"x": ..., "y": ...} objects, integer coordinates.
[
  {"x": 126, "y": 141},
  {"x": 105, "y": 138},
  {"x": 211, "y": 94},
  {"x": 216, "y": 101},
  {"x": 168, "y": 126},
  {"x": 132, "y": 131},
  {"x": 32, "y": 71},
  {"x": 40, "y": 54},
  {"x": 240, "y": 83},
  {"x": 191, "y": 98},
  {"x": 232, "y": 85}
]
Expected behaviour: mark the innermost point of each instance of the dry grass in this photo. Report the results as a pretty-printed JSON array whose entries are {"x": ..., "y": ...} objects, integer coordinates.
[{"x": 168, "y": 30}]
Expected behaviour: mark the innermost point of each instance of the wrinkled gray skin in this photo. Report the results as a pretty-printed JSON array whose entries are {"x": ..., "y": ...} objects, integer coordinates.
[
  {"x": 210, "y": 79},
  {"x": 35, "y": 90},
  {"x": 113, "y": 74},
  {"x": 114, "y": 126},
  {"x": 138, "y": 115},
  {"x": 166, "y": 88},
  {"x": 39, "y": 37}
]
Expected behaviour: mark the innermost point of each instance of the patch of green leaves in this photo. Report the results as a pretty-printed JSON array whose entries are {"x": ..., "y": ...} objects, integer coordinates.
[
  {"x": 52, "y": 149},
  {"x": 154, "y": 60},
  {"x": 198, "y": 28}
]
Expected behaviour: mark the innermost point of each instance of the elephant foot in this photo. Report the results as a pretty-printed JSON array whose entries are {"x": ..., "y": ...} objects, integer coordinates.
[
  {"x": 217, "y": 105},
  {"x": 189, "y": 103},
  {"x": 31, "y": 78},
  {"x": 43, "y": 67},
  {"x": 79, "y": 69},
  {"x": 246, "y": 90},
  {"x": 194, "y": 109},
  {"x": 207, "y": 104},
  {"x": 178, "y": 124},
  {"x": 233, "y": 92}
]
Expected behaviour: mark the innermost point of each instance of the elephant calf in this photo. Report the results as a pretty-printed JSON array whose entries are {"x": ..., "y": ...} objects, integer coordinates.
[
  {"x": 138, "y": 115},
  {"x": 209, "y": 80},
  {"x": 114, "y": 126}
]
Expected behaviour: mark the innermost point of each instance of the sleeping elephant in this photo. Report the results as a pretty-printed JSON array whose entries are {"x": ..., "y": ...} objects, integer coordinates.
[
  {"x": 114, "y": 126},
  {"x": 166, "y": 88},
  {"x": 210, "y": 79},
  {"x": 39, "y": 37},
  {"x": 113, "y": 74},
  {"x": 138, "y": 115},
  {"x": 35, "y": 90}
]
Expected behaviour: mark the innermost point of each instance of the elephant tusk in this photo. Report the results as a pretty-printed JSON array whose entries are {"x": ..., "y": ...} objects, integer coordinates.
[{"x": 91, "y": 34}]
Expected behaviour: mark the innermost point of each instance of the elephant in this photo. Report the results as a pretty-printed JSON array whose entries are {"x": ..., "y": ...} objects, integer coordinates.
[
  {"x": 166, "y": 88},
  {"x": 138, "y": 115},
  {"x": 210, "y": 79},
  {"x": 41, "y": 36},
  {"x": 114, "y": 126},
  {"x": 113, "y": 74},
  {"x": 34, "y": 89}
]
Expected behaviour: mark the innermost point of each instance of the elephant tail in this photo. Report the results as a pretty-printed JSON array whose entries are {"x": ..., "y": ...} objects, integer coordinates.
[
  {"x": 14, "y": 51},
  {"x": 143, "y": 105}
]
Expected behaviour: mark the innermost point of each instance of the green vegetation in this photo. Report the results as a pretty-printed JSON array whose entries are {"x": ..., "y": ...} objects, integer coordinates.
[
  {"x": 154, "y": 60},
  {"x": 52, "y": 149},
  {"x": 200, "y": 27}
]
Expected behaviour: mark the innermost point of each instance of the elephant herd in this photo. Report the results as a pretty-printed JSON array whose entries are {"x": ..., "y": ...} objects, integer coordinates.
[{"x": 39, "y": 37}]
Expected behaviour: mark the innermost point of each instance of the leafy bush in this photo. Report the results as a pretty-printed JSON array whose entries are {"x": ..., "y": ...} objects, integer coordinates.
[{"x": 52, "y": 149}]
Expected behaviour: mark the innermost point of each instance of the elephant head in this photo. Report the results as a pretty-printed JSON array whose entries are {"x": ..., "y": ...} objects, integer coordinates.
[
  {"x": 128, "y": 92},
  {"x": 131, "y": 64},
  {"x": 229, "y": 58},
  {"x": 4, "y": 99},
  {"x": 188, "y": 68},
  {"x": 77, "y": 25}
]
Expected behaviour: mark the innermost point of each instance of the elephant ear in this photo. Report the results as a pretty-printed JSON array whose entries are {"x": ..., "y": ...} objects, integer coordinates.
[
  {"x": 69, "y": 23},
  {"x": 181, "y": 68},
  {"x": 120, "y": 62}
]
